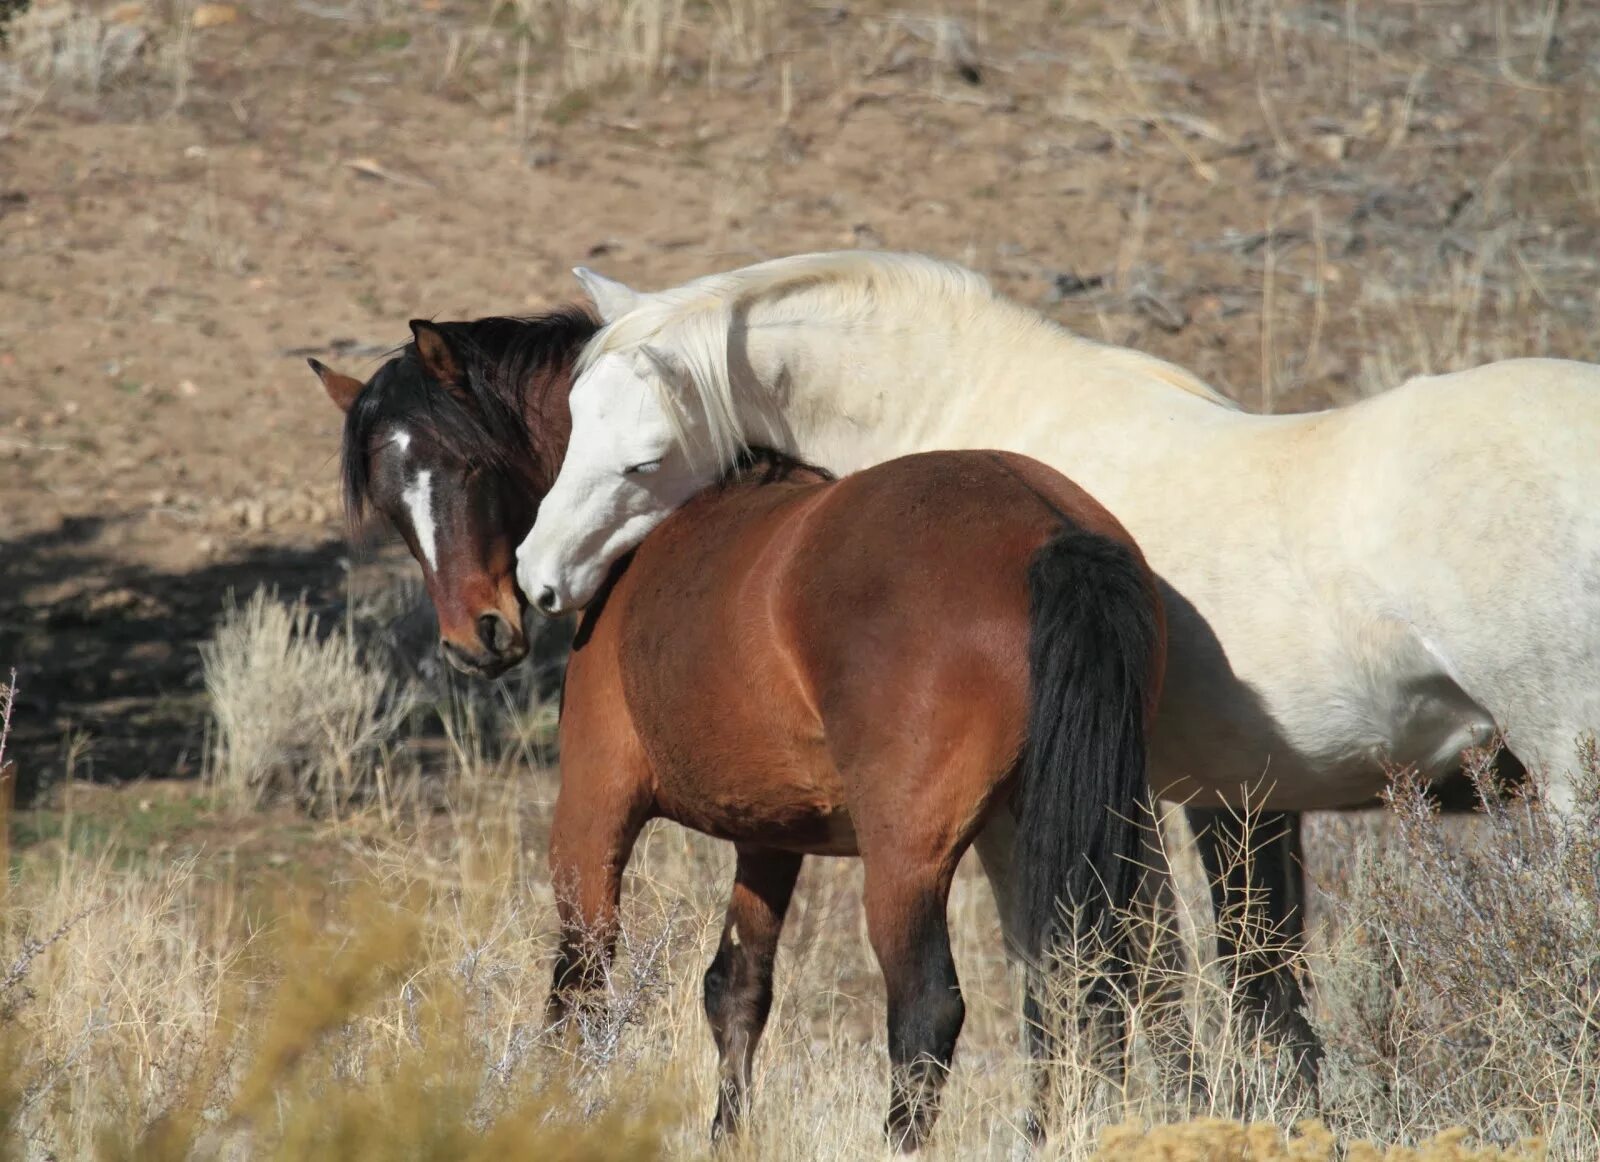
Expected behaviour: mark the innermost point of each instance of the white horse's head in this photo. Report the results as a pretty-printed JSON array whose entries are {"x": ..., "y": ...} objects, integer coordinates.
[
  {"x": 630, "y": 462},
  {"x": 647, "y": 434}
]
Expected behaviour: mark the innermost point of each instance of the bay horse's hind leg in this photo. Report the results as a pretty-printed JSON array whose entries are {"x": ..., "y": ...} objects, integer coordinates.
[
  {"x": 738, "y": 985},
  {"x": 906, "y": 902},
  {"x": 1257, "y": 873},
  {"x": 995, "y": 845}
]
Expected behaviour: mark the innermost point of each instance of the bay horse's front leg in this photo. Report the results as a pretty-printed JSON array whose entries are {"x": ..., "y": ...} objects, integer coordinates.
[
  {"x": 589, "y": 848},
  {"x": 906, "y": 902},
  {"x": 738, "y": 985}
]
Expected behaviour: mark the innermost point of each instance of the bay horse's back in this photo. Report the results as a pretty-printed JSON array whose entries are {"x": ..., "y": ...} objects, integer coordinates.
[
  {"x": 913, "y": 580},
  {"x": 885, "y": 620}
]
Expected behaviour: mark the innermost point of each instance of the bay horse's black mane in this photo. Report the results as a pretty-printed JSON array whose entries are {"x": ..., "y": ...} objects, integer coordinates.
[
  {"x": 490, "y": 420},
  {"x": 761, "y": 465}
]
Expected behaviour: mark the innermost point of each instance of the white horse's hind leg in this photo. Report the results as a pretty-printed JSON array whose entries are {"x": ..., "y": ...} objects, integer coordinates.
[{"x": 1258, "y": 888}]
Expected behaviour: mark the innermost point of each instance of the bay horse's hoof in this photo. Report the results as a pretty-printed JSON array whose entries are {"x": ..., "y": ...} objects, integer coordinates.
[{"x": 723, "y": 1129}]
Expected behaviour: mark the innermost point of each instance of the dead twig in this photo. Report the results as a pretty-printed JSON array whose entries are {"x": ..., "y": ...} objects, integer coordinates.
[{"x": 368, "y": 167}]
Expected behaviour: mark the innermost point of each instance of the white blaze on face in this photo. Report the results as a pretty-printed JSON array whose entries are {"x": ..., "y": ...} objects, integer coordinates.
[
  {"x": 419, "y": 503},
  {"x": 418, "y": 499}
]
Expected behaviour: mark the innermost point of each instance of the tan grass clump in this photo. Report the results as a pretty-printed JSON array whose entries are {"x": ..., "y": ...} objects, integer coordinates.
[
  {"x": 171, "y": 1016},
  {"x": 299, "y": 714}
]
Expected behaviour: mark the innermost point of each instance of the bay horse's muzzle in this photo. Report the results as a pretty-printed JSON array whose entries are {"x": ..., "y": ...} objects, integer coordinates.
[{"x": 499, "y": 646}]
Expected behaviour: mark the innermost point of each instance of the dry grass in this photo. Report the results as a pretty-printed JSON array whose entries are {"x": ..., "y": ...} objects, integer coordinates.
[
  {"x": 541, "y": 56},
  {"x": 547, "y": 59},
  {"x": 644, "y": 40},
  {"x": 380, "y": 995},
  {"x": 1214, "y": 1140},
  {"x": 75, "y": 54}
]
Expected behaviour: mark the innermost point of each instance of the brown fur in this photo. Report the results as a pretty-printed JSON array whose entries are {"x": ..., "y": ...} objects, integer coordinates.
[
  {"x": 812, "y": 667},
  {"x": 485, "y": 406}
]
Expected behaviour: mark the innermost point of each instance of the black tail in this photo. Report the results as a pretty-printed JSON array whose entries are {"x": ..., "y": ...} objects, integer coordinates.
[{"x": 1095, "y": 653}]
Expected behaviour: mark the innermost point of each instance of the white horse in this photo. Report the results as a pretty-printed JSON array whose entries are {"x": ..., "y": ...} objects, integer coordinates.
[{"x": 1392, "y": 581}]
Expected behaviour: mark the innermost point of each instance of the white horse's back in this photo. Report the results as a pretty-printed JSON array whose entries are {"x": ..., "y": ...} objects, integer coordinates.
[
  {"x": 1389, "y": 581},
  {"x": 1472, "y": 501}
]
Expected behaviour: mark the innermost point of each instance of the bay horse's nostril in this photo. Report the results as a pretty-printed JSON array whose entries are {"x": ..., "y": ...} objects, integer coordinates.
[
  {"x": 495, "y": 633},
  {"x": 547, "y": 602}
]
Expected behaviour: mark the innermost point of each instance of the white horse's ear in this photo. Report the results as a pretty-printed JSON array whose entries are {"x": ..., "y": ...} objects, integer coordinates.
[{"x": 611, "y": 298}]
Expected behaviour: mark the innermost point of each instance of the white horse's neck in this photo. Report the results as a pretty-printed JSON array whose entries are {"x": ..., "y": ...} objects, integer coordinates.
[{"x": 954, "y": 374}]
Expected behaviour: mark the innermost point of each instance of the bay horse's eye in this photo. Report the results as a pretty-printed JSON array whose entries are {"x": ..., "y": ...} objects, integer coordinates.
[{"x": 643, "y": 469}]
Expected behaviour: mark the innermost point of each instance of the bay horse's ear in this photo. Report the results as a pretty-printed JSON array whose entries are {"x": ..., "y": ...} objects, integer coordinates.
[
  {"x": 611, "y": 298},
  {"x": 341, "y": 389},
  {"x": 435, "y": 352}
]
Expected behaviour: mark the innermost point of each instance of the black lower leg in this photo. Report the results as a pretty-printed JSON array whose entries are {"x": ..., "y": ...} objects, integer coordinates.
[
  {"x": 738, "y": 985},
  {"x": 579, "y": 973},
  {"x": 1258, "y": 887},
  {"x": 925, "y": 1015}
]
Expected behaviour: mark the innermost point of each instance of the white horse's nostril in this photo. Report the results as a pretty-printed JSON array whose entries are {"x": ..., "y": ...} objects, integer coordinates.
[{"x": 547, "y": 602}]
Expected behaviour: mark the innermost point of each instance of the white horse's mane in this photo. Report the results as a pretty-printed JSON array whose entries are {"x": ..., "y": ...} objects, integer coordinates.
[{"x": 695, "y": 319}]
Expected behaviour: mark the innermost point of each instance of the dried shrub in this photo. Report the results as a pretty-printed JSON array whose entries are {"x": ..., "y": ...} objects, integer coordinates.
[
  {"x": 1466, "y": 977},
  {"x": 1214, "y": 1140},
  {"x": 299, "y": 713},
  {"x": 69, "y": 45},
  {"x": 9, "y": 11}
]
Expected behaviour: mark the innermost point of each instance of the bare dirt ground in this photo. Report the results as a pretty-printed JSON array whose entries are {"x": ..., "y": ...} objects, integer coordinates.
[{"x": 1301, "y": 201}]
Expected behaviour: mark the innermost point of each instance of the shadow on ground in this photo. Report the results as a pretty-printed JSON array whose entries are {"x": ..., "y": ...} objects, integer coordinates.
[{"x": 108, "y": 669}]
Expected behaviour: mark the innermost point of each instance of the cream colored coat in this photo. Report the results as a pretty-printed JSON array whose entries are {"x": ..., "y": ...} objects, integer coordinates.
[{"x": 1391, "y": 581}]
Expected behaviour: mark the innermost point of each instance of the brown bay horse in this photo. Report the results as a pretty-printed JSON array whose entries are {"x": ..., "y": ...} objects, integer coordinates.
[
  {"x": 862, "y": 667},
  {"x": 453, "y": 442}
]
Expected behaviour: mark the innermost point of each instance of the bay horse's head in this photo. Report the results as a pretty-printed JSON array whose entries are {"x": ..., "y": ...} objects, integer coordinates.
[{"x": 454, "y": 442}]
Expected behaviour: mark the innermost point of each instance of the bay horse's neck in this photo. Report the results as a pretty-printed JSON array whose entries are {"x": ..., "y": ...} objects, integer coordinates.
[{"x": 987, "y": 374}]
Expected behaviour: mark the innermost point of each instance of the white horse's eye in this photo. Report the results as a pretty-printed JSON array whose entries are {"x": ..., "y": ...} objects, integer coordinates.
[{"x": 643, "y": 469}]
